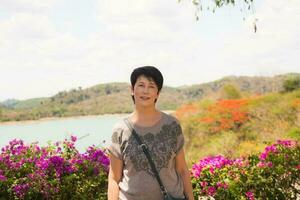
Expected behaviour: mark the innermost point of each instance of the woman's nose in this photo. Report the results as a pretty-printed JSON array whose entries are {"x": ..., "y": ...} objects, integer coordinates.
[{"x": 146, "y": 90}]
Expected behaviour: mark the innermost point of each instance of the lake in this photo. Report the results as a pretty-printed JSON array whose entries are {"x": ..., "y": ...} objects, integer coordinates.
[{"x": 89, "y": 130}]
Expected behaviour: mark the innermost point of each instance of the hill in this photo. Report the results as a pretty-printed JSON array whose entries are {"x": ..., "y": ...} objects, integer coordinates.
[{"x": 115, "y": 97}]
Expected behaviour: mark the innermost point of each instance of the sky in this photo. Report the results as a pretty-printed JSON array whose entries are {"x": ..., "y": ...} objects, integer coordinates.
[{"x": 55, "y": 45}]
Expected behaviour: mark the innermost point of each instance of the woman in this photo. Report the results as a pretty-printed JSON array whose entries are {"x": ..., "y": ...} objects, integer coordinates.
[{"x": 130, "y": 175}]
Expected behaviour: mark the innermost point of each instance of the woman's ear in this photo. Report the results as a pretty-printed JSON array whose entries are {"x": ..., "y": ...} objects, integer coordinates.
[
  {"x": 158, "y": 93},
  {"x": 131, "y": 90}
]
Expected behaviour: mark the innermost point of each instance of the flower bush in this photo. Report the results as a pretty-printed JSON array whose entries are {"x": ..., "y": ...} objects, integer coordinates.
[
  {"x": 274, "y": 174},
  {"x": 57, "y": 171}
]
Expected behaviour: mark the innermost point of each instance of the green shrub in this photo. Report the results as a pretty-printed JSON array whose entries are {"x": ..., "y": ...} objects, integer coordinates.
[{"x": 291, "y": 84}]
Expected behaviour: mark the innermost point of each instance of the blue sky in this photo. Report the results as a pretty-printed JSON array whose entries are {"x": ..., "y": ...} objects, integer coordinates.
[{"x": 54, "y": 45}]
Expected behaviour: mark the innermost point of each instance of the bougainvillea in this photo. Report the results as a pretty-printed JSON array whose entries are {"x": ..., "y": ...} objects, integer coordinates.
[
  {"x": 273, "y": 174},
  {"x": 56, "y": 171}
]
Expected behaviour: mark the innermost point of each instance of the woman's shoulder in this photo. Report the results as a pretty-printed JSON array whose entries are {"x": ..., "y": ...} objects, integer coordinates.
[
  {"x": 170, "y": 118},
  {"x": 120, "y": 125}
]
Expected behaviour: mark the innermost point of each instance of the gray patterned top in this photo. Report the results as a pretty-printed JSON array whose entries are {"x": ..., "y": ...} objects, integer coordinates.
[{"x": 164, "y": 141}]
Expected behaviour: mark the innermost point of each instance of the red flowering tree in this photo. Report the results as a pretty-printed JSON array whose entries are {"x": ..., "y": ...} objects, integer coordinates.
[{"x": 226, "y": 115}]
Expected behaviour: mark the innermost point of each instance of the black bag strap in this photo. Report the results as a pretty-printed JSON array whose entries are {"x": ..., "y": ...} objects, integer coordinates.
[{"x": 146, "y": 152}]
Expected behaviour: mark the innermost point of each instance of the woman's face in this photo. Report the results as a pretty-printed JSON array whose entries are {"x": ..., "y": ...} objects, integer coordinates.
[{"x": 145, "y": 91}]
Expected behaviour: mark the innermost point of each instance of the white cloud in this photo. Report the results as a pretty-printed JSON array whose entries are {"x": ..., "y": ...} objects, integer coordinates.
[
  {"x": 21, "y": 38},
  {"x": 25, "y": 27},
  {"x": 36, "y": 59},
  {"x": 27, "y": 5},
  {"x": 149, "y": 32}
]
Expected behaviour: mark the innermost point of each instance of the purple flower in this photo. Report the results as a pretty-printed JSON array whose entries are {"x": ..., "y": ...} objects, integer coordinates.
[
  {"x": 21, "y": 189},
  {"x": 2, "y": 178},
  {"x": 96, "y": 171},
  {"x": 42, "y": 164},
  {"x": 56, "y": 160},
  {"x": 263, "y": 156},
  {"x": 97, "y": 156}
]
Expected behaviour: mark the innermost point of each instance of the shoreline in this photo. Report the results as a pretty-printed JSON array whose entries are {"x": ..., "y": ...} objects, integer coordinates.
[{"x": 67, "y": 118}]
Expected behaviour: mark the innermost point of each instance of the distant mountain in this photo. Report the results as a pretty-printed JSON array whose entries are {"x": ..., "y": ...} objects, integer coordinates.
[
  {"x": 115, "y": 97},
  {"x": 9, "y": 103},
  {"x": 24, "y": 104}
]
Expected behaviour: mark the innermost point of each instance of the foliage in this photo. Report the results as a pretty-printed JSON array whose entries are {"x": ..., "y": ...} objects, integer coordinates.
[
  {"x": 294, "y": 132},
  {"x": 292, "y": 83},
  {"x": 201, "y": 5},
  {"x": 220, "y": 3},
  {"x": 230, "y": 92},
  {"x": 274, "y": 174},
  {"x": 56, "y": 171}
]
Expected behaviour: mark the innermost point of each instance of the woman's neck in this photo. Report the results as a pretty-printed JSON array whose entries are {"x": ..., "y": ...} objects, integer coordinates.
[{"x": 145, "y": 115}]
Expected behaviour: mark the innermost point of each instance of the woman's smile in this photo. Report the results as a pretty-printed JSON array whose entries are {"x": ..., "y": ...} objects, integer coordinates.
[{"x": 145, "y": 98}]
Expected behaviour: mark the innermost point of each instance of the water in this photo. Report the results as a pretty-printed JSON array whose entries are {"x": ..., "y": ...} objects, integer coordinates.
[{"x": 91, "y": 130}]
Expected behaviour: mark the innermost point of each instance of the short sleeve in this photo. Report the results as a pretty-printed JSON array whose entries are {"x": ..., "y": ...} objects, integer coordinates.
[
  {"x": 116, "y": 142},
  {"x": 180, "y": 137}
]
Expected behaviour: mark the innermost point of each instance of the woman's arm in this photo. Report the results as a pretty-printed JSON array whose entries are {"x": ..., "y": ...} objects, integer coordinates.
[
  {"x": 114, "y": 177},
  {"x": 183, "y": 171}
]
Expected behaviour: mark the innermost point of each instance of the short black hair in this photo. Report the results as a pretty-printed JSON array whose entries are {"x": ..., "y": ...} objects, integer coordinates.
[{"x": 149, "y": 72}]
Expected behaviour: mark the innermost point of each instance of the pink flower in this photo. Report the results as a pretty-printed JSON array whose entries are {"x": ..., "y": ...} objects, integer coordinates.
[
  {"x": 263, "y": 156},
  {"x": 213, "y": 162},
  {"x": 264, "y": 164},
  {"x": 261, "y": 164},
  {"x": 211, "y": 169},
  {"x": 211, "y": 191},
  {"x": 250, "y": 195},
  {"x": 286, "y": 143},
  {"x": 269, "y": 164},
  {"x": 203, "y": 184},
  {"x": 73, "y": 138},
  {"x": 268, "y": 150},
  {"x": 222, "y": 185}
]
